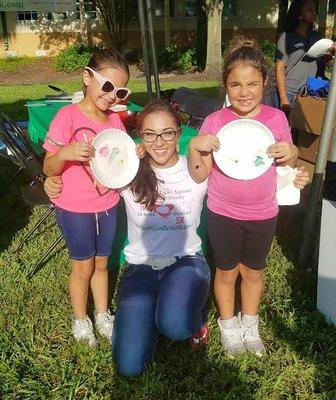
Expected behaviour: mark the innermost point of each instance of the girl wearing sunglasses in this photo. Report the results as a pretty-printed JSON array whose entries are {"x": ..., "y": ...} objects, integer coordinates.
[
  {"x": 164, "y": 286},
  {"x": 86, "y": 214}
]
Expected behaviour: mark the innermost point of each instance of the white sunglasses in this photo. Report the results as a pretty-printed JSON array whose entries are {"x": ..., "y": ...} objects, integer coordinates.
[{"x": 108, "y": 87}]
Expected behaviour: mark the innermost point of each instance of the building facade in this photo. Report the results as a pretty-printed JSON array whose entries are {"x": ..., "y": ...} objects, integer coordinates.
[{"x": 45, "y": 34}]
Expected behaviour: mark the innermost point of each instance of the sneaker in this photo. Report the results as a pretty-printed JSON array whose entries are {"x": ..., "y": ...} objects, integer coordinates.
[
  {"x": 200, "y": 338},
  {"x": 231, "y": 336},
  {"x": 104, "y": 323},
  {"x": 251, "y": 336},
  {"x": 82, "y": 330}
]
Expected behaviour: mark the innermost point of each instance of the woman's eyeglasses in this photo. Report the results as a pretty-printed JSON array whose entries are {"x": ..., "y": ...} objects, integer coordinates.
[
  {"x": 166, "y": 136},
  {"x": 108, "y": 87}
]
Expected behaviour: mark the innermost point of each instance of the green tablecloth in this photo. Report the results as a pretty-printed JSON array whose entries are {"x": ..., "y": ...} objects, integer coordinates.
[{"x": 41, "y": 113}]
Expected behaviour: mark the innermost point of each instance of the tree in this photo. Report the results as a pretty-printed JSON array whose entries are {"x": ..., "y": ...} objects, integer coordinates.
[
  {"x": 167, "y": 22},
  {"x": 83, "y": 23},
  {"x": 201, "y": 39},
  {"x": 283, "y": 7},
  {"x": 117, "y": 15},
  {"x": 214, "y": 10}
]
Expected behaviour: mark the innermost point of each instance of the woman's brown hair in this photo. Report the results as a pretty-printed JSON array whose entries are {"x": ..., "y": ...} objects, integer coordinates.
[
  {"x": 145, "y": 186},
  {"x": 244, "y": 50}
]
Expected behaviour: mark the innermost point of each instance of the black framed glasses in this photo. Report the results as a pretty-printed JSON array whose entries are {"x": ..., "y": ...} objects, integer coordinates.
[
  {"x": 166, "y": 136},
  {"x": 108, "y": 87}
]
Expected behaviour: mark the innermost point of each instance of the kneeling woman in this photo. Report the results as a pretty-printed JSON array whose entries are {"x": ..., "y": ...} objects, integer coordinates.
[{"x": 165, "y": 284}]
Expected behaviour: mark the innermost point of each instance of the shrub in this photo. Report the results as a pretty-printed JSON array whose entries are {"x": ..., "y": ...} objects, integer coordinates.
[
  {"x": 174, "y": 59},
  {"x": 75, "y": 57},
  {"x": 269, "y": 49},
  {"x": 14, "y": 63}
]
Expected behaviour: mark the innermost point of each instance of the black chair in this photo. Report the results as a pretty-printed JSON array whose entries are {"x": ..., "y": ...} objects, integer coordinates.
[
  {"x": 21, "y": 153},
  {"x": 34, "y": 195},
  {"x": 181, "y": 93},
  {"x": 197, "y": 108},
  {"x": 16, "y": 148}
]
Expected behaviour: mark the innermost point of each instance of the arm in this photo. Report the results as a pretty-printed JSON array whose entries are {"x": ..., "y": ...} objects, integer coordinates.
[
  {"x": 54, "y": 162},
  {"x": 200, "y": 157},
  {"x": 281, "y": 82}
]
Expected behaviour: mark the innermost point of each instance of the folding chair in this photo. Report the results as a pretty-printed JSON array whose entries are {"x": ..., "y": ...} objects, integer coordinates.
[
  {"x": 18, "y": 150},
  {"x": 198, "y": 108},
  {"x": 22, "y": 155},
  {"x": 181, "y": 93}
]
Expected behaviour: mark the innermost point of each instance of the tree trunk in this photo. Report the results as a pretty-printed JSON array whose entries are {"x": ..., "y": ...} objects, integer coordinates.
[
  {"x": 214, "y": 37},
  {"x": 201, "y": 40},
  {"x": 167, "y": 22},
  {"x": 283, "y": 7},
  {"x": 83, "y": 24}
]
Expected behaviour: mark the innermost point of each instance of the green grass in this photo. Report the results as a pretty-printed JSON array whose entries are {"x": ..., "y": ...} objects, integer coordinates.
[
  {"x": 14, "y": 63},
  {"x": 40, "y": 360}
]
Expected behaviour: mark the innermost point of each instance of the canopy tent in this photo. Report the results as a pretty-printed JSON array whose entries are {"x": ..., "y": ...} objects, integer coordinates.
[{"x": 147, "y": 35}]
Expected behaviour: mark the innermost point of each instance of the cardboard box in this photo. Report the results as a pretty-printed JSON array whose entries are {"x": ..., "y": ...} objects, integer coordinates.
[
  {"x": 308, "y": 146},
  {"x": 307, "y": 114}
]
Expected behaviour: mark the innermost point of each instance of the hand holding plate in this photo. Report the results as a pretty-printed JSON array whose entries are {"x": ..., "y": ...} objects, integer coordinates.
[
  {"x": 282, "y": 151},
  {"x": 206, "y": 144},
  {"x": 76, "y": 152}
]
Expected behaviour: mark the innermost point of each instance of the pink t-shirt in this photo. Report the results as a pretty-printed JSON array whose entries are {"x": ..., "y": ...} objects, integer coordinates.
[
  {"x": 239, "y": 199},
  {"x": 79, "y": 193}
]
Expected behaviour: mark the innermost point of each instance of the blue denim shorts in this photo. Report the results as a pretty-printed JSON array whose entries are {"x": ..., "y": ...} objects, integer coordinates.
[{"x": 87, "y": 234}]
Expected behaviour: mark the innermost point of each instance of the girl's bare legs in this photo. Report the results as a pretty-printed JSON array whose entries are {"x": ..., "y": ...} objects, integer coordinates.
[
  {"x": 231, "y": 337},
  {"x": 79, "y": 281},
  {"x": 252, "y": 284},
  {"x": 251, "y": 288},
  {"x": 224, "y": 286},
  {"x": 99, "y": 284}
]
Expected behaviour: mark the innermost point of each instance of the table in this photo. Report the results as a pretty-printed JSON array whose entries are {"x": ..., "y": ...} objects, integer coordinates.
[{"x": 42, "y": 112}]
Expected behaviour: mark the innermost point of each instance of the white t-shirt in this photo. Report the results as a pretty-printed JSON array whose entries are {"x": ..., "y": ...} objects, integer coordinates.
[{"x": 170, "y": 229}]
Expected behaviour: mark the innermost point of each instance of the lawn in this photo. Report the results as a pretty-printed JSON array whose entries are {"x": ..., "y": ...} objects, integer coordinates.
[{"x": 40, "y": 360}]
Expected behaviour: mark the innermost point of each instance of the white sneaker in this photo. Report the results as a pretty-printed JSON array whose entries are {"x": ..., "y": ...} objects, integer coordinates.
[
  {"x": 82, "y": 330},
  {"x": 104, "y": 323},
  {"x": 231, "y": 336},
  {"x": 251, "y": 336}
]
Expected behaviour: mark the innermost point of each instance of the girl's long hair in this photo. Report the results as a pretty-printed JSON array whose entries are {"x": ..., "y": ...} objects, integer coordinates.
[
  {"x": 244, "y": 50},
  {"x": 145, "y": 186},
  {"x": 293, "y": 15}
]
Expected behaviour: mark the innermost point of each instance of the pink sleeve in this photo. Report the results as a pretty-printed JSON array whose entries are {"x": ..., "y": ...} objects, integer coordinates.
[
  {"x": 59, "y": 133},
  {"x": 206, "y": 128}
]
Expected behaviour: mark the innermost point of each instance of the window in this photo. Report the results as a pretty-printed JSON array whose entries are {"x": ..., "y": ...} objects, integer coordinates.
[
  {"x": 27, "y": 16},
  {"x": 56, "y": 16},
  {"x": 191, "y": 8},
  {"x": 331, "y": 7},
  {"x": 89, "y": 8},
  {"x": 229, "y": 8},
  {"x": 159, "y": 8}
]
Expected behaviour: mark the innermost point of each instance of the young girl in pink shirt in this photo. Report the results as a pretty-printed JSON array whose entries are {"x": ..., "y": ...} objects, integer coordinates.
[
  {"x": 85, "y": 211},
  {"x": 242, "y": 214}
]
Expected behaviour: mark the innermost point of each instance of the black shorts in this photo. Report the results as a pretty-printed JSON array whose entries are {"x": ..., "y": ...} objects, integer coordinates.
[{"x": 235, "y": 241}]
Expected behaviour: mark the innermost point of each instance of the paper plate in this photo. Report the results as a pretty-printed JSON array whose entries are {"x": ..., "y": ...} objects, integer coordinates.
[
  {"x": 115, "y": 162},
  {"x": 119, "y": 107},
  {"x": 320, "y": 48},
  {"x": 243, "y": 145}
]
